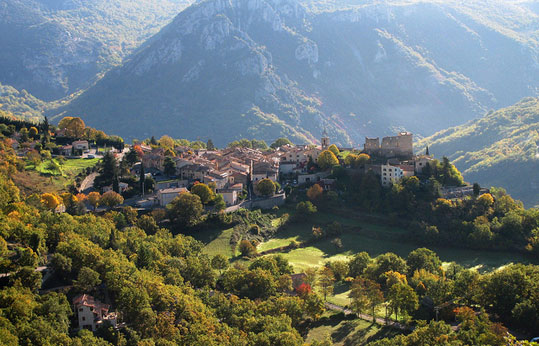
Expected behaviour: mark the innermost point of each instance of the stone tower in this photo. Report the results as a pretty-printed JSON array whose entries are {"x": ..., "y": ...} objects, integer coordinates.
[{"x": 325, "y": 140}]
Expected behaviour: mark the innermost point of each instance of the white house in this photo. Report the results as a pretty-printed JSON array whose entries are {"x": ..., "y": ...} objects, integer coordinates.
[
  {"x": 91, "y": 312},
  {"x": 230, "y": 196},
  {"x": 166, "y": 196},
  {"x": 390, "y": 174}
]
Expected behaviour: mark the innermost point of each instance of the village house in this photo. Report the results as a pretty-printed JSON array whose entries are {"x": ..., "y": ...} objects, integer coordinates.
[
  {"x": 390, "y": 174},
  {"x": 421, "y": 162},
  {"x": 166, "y": 196},
  {"x": 230, "y": 196},
  {"x": 66, "y": 150},
  {"x": 91, "y": 313},
  {"x": 193, "y": 171},
  {"x": 154, "y": 159},
  {"x": 263, "y": 170},
  {"x": 80, "y": 145}
]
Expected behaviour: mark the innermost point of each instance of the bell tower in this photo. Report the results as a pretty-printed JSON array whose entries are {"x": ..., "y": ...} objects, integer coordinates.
[{"x": 325, "y": 140}]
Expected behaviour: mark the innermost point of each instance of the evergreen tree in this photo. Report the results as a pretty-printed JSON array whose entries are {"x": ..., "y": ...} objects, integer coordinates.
[{"x": 209, "y": 145}]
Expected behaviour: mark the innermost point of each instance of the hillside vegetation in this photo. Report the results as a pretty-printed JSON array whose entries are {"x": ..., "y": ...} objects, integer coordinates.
[
  {"x": 268, "y": 68},
  {"x": 500, "y": 149},
  {"x": 53, "y": 48}
]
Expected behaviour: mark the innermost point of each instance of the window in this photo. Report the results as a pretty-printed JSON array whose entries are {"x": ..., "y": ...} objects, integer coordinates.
[
  {"x": 83, "y": 318},
  {"x": 81, "y": 309}
]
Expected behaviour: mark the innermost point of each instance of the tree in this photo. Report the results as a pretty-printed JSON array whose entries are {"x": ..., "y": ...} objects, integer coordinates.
[
  {"x": 265, "y": 187},
  {"x": 315, "y": 192},
  {"x": 358, "y": 295},
  {"x": 219, "y": 262},
  {"x": 210, "y": 146},
  {"x": 109, "y": 170},
  {"x": 93, "y": 198},
  {"x": 423, "y": 258},
  {"x": 333, "y": 148},
  {"x": 326, "y": 160},
  {"x": 87, "y": 280},
  {"x": 246, "y": 248},
  {"x": 303, "y": 290},
  {"x": 33, "y": 132},
  {"x": 169, "y": 166},
  {"x": 50, "y": 201},
  {"x": 185, "y": 209},
  {"x": 74, "y": 126},
  {"x": 204, "y": 192},
  {"x": 111, "y": 199},
  {"x": 166, "y": 142},
  {"x": 304, "y": 209},
  {"x": 131, "y": 157},
  {"x": 279, "y": 142},
  {"x": 28, "y": 277},
  {"x": 476, "y": 189},
  {"x": 326, "y": 281},
  {"x": 219, "y": 202},
  {"x": 358, "y": 264},
  {"x": 403, "y": 299}
]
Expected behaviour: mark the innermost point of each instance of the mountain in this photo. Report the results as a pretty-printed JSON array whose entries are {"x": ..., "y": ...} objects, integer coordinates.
[
  {"x": 52, "y": 48},
  {"x": 265, "y": 68},
  {"x": 499, "y": 149}
]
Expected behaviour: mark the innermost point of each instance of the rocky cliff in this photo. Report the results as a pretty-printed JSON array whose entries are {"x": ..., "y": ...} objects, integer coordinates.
[{"x": 265, "y": 68}]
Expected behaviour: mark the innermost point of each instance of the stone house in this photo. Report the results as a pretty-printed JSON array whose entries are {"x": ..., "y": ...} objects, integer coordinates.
[
  {"x": 91, "y": 313},
  {"x": 166, "y": 196}
]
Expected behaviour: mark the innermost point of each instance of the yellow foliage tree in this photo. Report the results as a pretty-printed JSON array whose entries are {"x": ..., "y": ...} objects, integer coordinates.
[
  {"x": 327, "y": 159},
  {"x": 93, "y": 199},
  {"x": 50, "y": 201}
]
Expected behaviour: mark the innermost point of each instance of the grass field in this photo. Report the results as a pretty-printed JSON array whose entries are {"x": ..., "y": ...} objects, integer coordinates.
[
  {"x": 216, "y": 243},
  {"x": 44, "y": 178},
  {"x": 69, "y": 167},
  {"x": 375, "y": 240},
  {"x": 348, "y": 333}
]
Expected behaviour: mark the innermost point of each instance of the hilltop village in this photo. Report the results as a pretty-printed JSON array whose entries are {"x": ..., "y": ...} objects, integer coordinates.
[{"x": 172, "y": 167}]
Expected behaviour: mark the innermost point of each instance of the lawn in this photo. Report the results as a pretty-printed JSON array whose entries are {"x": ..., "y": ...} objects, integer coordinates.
[
  {"x": 375, "y": 240},
  {"x": 46, "y": 178},
  {"x": 348, "y": 332},
  {"x": 216, "y": 242}
]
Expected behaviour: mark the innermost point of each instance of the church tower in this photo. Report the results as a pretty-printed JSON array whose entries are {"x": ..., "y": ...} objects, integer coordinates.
[{"x": 325, "y": 140}]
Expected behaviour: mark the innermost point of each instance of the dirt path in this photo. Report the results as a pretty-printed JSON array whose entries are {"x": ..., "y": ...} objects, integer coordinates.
[{"x": 87, "y": 183}]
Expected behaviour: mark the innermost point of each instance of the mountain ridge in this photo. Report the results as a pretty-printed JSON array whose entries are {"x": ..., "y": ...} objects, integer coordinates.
[{"x": 363, "y": 71}]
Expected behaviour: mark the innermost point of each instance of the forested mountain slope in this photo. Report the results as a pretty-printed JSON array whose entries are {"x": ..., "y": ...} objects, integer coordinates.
[
  {"x": 53, "y": 47},
  {"x": 231, "y": 69},
  {"x": 500, "y": 149}
]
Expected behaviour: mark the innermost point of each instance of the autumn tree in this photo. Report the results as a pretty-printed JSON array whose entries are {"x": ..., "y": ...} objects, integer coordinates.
[
  {"x": 327, "y": 159},
  {"x": 50, "y": 201},
  {"x": 93, "y": 198},
  {"x": 204, "y": 192},
  {"x": 326, "y": 280},
  {"x": 185, "y": 209},
  {"x": 111, "y": 199},
  {"x": 265, "y": 187},
  {"x": 333, "y": 148},
  {"x": 315, "y": 192},
  {"x": 402, "y": 298},
  {"x": 33, "y": 132},
  {"x": 74, "y": 126},
  {"x": 166, "y": 142}
]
